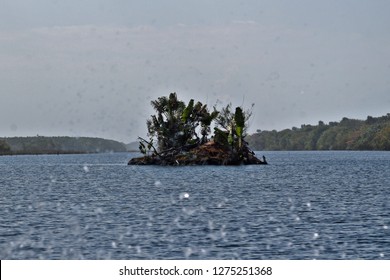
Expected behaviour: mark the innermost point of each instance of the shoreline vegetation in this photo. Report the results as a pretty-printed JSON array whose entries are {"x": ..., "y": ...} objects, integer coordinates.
[
  {"x": 372, "y": 134},
  {"x": 38, "y": 145},
  {"x": 180, "y": 134}
]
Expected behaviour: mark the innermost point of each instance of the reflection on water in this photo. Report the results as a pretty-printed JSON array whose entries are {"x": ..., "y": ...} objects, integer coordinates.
[{"x": 303, "y": 205}]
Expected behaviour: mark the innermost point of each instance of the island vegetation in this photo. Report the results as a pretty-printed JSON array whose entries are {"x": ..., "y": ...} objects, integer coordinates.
[
  {"x": 180, "y": 134},
  {"x": 348, "y": 134},
  {"x": 58, "y": 145}
]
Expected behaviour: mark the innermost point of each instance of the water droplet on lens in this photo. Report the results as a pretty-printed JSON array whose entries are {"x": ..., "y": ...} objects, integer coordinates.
[
  {"x": 52, "y": 179},
  {"x": 184, "y": 195},
  {"x": 203, "y": 251},
  {"x": 187, "y": 252}
]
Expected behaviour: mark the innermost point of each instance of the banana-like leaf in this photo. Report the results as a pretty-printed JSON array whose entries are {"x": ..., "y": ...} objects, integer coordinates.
[
  {"x": 187, "y": 111},
  {"x": 239, "y": 119}
]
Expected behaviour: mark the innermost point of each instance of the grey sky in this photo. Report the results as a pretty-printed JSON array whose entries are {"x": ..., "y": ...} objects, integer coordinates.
[{"x": 91, "y": 67}]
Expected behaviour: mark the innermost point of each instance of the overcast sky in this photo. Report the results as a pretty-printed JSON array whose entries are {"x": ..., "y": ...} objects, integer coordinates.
[{"x": 91, "y": 67}]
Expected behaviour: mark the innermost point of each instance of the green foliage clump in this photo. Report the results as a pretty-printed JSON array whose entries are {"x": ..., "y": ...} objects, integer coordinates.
[
  {"x": 175, "y": 124},
  {"x": 178, "y": 129}
]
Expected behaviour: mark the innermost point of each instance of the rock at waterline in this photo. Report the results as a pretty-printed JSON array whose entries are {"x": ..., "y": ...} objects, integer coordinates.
[{"x": 209, "y": 153}]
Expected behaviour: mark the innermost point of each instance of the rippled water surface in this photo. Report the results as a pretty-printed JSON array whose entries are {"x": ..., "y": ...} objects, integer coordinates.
[{"x": 303, "y": 205}]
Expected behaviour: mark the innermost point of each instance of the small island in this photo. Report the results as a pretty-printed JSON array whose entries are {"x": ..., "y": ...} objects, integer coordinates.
[{"x": 179, "y": 134}]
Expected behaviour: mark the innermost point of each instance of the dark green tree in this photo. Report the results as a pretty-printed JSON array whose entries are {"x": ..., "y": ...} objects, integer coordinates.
[{"x": 176, "y": 125}]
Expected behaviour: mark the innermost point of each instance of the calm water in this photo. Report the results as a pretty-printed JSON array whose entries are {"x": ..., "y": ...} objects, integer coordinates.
[{"x": 303, "y": 205}]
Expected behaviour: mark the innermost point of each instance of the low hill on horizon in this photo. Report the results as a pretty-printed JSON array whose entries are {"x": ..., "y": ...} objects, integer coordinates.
[
  {"x": 58, "y": 145},
  {"x": 348, "y": 134},
  {"x": 133, "y": 146}
]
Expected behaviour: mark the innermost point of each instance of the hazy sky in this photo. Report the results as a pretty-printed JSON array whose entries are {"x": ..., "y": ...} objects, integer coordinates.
[{"x": 91, "y": 67}]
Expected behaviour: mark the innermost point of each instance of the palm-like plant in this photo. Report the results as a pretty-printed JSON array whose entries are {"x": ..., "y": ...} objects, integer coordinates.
[
  {"x": 235, "y": 126},
  {"x": 165, "y": 126},
  {"x": 175, "y": 124}
]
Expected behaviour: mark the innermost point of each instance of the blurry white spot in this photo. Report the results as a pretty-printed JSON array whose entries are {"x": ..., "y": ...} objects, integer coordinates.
[
  {"x": 86, "y": 169},
  {"x": 297, "y": 219},
  {"x": 98, "y": 210},
  {"x": 308, "y": 204},
  {"x": 187, "y": 252},
  {"x": 222, "y": 231},
  {"x": 113, "y": 244},
  {"x": 222, "y": 204},
  {"x": 381, "y": 255},
  {"x": 52, "y": 179},
  {"x": 385, "y": 227},
  {"x": 157, "y": 183},
  {"x": 184, "y": 195},
  {"x": 189, "y": 211},
  {"x": 315, "y": 235},
  {"x": 211, "y": 225}
]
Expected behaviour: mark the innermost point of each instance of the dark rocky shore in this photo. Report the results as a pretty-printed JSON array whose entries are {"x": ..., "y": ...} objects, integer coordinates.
[{"x": 210, "y": 153}]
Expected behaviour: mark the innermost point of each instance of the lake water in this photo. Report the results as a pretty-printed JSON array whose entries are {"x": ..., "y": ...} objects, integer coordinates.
[{"x": 303, "y": 205}]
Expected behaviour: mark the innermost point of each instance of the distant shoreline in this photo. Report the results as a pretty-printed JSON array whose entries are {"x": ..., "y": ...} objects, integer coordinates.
[
  {"x": 46, "y": 153},
  {"x": 372, "y": 134},
  {"x": 40, "y": 145}
]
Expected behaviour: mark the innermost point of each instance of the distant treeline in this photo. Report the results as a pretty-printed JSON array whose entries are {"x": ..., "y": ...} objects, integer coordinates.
[
  {"x": 348, "y": 134},
  {"x": 58, "y": 145}
]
